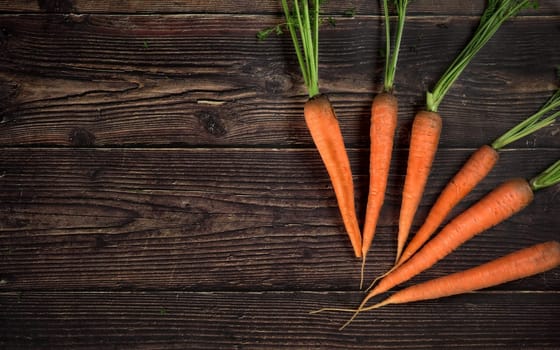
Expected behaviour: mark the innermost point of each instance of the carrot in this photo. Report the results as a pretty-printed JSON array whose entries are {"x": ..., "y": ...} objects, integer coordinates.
[
  {"x": 426, "y": 129},
  {"x": 522, "y": 263},
  {"x": 519, "y": 264},
  {"x": 384, "y": 111},
  {"x": 501, "y": 203},
  {"x": 498, "y": 205},
  {"x": 476, "y": 168},
  {"x": 325, "y": 131},
  {"x": 425, "y": 133},
  {"x": 319, "y": 114}
]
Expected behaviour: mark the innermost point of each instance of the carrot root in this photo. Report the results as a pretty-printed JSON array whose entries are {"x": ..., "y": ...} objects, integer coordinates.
[
  {"x": 384, "y": 111},
  {"x": 424, "y": 139},
  {"x": 362, "y": 269},
  {"x": 362, "y": 309},
  {"x": 471, "y": 173},
  {"x": 350, "y": 320},
  {"x": 501, "y": 203},
  {"x": 324, "y": 129},
  {"x": 335, "y": 309},
  {"x": 382, "y": 276},
  {"x": 519, "y": 264}
]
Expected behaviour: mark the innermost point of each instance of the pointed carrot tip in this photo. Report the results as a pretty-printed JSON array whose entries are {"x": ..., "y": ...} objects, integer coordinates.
[
  {"x": 362, "y": 271},
  {"x": 350, "y": 320}
]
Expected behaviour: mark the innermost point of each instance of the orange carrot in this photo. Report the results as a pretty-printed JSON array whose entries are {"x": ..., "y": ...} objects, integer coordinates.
[
  {"x": 383, "y": 124},
  {"x": 424, "y": 133},
  {"x": 325, "y": 131},
  {"x": 523, "y": 263},
  {"x": 501, "y": 203},
  {"x": 498, "y": 205},
  {"x": 424, "y": 139},
  {"x": 384, "y": 111},
  {"x": 474, "y": 170},
  {"x": 319, "y": 114},
  {"x": 519, "y": 264}
]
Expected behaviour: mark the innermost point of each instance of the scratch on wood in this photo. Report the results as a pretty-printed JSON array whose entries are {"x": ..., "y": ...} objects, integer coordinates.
[{"x": 211, "y": 102}]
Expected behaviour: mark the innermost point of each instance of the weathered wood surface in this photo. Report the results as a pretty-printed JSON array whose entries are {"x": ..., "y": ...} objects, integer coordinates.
[
  {"x": 274, "y": 320},
  {"x": 209, "y": 219},
  {"x": 184, "y": 80},
  {"x": 158, "y": 188},
  {"x": 421, "y": 7}
]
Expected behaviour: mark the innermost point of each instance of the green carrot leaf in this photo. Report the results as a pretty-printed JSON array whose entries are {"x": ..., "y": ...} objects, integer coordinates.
[
  {"x": 303, "y": 25},
  {"x": 391, "y": 58},
  {"x": 265, "y": 33},
  {"x": 495, "y": 14},
  {"x": 530, "y": 125},
  {"x": 547, "y": 178}
]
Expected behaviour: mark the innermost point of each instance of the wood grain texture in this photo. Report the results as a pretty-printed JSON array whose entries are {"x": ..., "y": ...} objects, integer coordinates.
[
  {"x": 419, "y": 7},
  {"x": 95, "y": 80},
  {"x": 211, "y": 219},
  {"x": 274, "y": 320},
  {"x": 159, "y": 189}
]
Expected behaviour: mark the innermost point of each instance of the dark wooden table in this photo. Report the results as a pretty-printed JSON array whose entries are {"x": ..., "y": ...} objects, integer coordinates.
[{"x": 159, "y": 189}]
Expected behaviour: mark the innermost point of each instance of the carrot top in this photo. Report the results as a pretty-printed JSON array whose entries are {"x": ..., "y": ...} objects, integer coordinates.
[
  {"x": 496, "y": 13},
  {"x": 391, "y": 58},
  {"x": 549, "y": 177},
  {"x": 531, "y": 124},
  {"x": 305, "y": 21}
]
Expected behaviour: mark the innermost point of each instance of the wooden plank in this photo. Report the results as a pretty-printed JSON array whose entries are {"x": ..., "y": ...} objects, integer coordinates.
[
  {"x": 159, "y": 189},
  {"x": 274, "y": 320},
  {"x": 156, "y": 80},
  {"x": 418, "y": 7},
  {"x": 222, "y": 219}
]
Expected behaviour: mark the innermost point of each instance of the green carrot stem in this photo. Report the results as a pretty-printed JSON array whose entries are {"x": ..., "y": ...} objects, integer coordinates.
[
  {"x": 387, "y": 81},
  {"x": 531, "y": 124},
  {"x": 306, "y": 45},
  {"x": 293, "y": 34},
  {"x": 549, "y": 177},
  {"x": 316, "y": 38},
  {"x": 496, "y": 13},
  {"x": 392, "y": 58}
]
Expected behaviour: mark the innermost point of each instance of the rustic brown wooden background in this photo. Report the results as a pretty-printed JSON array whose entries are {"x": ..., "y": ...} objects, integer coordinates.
[{"x": 159, "y": 190}]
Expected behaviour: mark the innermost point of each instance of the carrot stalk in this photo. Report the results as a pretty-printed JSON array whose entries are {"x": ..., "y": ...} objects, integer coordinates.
[
  {"x": 495, "y": 14},
  {"x": 505, "y": 200},
  {"x": 549, "y": 177},
  {"x": 307, "y": 51},
  {"x": 476, "y": 168},
  {"x": 384, "y": 110},
  {"x": 532, "y": 124},
  {"x": 320, "y": 118},
  {"x": 420, "y": 161},
  {"x": 391, "y": 58},
  {"x": 522, "y": 263}
]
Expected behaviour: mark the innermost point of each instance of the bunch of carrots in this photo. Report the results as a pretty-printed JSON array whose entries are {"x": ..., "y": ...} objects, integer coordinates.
[{"x": 428, "y": 245}]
